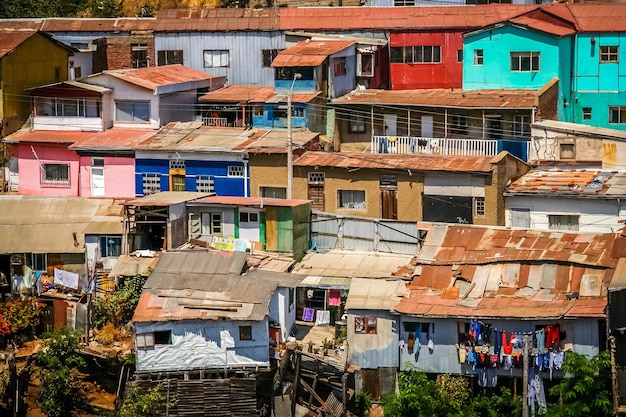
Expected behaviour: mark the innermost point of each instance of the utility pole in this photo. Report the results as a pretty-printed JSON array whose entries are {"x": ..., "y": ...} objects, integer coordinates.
[
  {"x": 525, "y": 378},
  {"x": 290, "y": 139}
]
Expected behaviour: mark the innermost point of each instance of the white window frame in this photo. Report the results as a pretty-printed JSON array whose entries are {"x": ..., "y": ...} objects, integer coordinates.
[
  {"x": 479, "y": 57},
  {"x": 521, "y": 125},
  {"x": 216, "y": 58},
  {"x": 139, "y": 55},
  {"x": 265, "y": 190},
  {"x": 144, "y": 340},
  {"x": 211, "y": 222},
  {"x": 347, "y": 200},
  {"x": 620, "y": 112},
  {"x": 151, "y": 183},
  {"x": 134, "y": 113},
  {"x": 360, "y": 71},
  {"x": 479, "y": 206},
  {"x": 236, "y": 171}
]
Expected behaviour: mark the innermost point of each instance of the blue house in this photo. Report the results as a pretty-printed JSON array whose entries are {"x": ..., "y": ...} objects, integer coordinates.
[
  {"x": 526, "y": 52},
  {"x": 253, "y": 106},
  {"x": 190, "y": 157}
]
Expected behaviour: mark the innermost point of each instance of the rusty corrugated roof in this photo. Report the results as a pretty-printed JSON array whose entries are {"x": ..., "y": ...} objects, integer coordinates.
[
  {"x": 275, "y": 141},
  {"x": 121, "y": 24},
  {"x": 249, "y": 201},
  {"x": 471, "y": 271},
  {"x": 310, "y": 53},
  {"x": 441, "y": 97},
  {"x": 11, "y": 39},
  {"x": 217, "y": 19},
  {"x": 594, "y": 17},
  {"x": 153, "y": 77},
  {"x": 47, "y": 136},
  {"x": 114, "y": 139},
  {"x": 574, "y": 182},
  {"x": 193, "y": 137},
  {"x": 21, "y": 24},
  {"x": 544, "y": 26},
  {"x": 253, "y": 94},
  {"x": 400, "y": 18},
  {"x": 396, "y": 161}
]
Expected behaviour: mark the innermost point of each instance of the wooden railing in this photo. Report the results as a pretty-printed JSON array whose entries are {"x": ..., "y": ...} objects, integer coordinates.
[{"x": 434, "y": 146}]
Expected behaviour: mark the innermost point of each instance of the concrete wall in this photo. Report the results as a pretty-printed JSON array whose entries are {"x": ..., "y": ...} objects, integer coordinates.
[
  {"x": 117, "y": 172},
  {"x": 30, "y": 169}
]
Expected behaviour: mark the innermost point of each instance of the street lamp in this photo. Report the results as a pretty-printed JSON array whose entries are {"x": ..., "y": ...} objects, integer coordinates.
[{"x": 296, "y": 76}]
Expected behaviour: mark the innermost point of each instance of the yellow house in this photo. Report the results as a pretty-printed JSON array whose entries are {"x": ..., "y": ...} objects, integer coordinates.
[
  {"x": 413, "y": 187},
  {"x": 27, "y": 59}
]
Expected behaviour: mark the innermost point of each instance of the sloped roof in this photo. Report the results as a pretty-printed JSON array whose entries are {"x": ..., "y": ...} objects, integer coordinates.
[
  {"x": 61, "y": 89},
  {"x": 25, "y": 24},
  {"x": 400, "y": 18},
  {"x": 543, "y": 26},
  {"x": 9, "y": 40},
  {"x": 127, "y": 265},
  {"x": 570, "y": 183},
  {"x": 47, "y": 136},
  {"x": 166, "y": 198},
  {"x": 217, "y": 19},
  {"x": 253, "y": 94},
  {"x": 113, "y": 140},
  {"x": 310, "y": 53},
  {"x": 397, "y": 161},
  {"x": 250, "y": 201},
  {"x": 470, "y": 271},
  {"x": 441, "y": 97},
  {"x": 120, "y": 24},
  {"x": 154, "y": 77},
  {"x": 275, "y": 141},
  {"x": 193, "y": 137},
  {"x": 47, "y": 224},
  {"x": 204, "y": 285},
  {"x": 375, "y": 294},
  {"x": 595, "y": 17}
]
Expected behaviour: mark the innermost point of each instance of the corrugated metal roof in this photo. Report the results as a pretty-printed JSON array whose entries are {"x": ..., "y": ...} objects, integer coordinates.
[
  {"x": 193, "y": 137},
  {"x": 242, "y": 94},
  {"x": 217, "y": 19},
  {"x": 275, "y": 141},
  {"x": 440, "y": 97},
  {"x": 396, "y": 161},
  {"x": 205, "y": 285},
  {"x": 397, "y": 18},
  {"x": 338, "y": 263},
  {"x": 595, "y": 17},
  {"x": 154, "y": 77},
  {"x": 47, "y": 224},
  {"x": 46, "y": 136},
  {"x": 41, "y": 90},
  {"x": 576, "y": 128},
  {"x": 127, "y": 266},
  {"x": 249, "y": 201},
  {"x": 166, "y": 198},
  {"x": 113, "y": 139},
  {"x": 310, "y": 53},
  {"x": 570, "y": 183},
  {"x": 375, "y": 294},
  {"x": 11, "y": 39},
  {"x": 33, "y": 24},
  {"x": 543, "y": 26},
  {"x": 504, "y": 273},
  {"x": 114, "y": 25}
]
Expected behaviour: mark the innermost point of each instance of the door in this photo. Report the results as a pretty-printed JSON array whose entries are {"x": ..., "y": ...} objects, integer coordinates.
[
  {"x": 427, "y": 126},
  {"x": 391, "y": 124},
  {"x": 316, "y": 195},
  {"x": 520, "y": 218},
  {"x": 97, "y": 182},
  {"x": 389, "y": 197},
  {"x": 178, "y": 183}
]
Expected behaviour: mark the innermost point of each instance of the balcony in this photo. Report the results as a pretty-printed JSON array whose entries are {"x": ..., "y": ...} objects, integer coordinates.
[
  {"x": 214, "y": 121},
  {"x": 434, "y": 146}
]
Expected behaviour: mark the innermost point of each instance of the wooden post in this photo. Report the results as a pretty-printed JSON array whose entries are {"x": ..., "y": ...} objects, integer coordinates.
[
  {"x": 296, "y": 380},
  {"x": 525, "y": 380},
  {"x": 344, "y": 393}
]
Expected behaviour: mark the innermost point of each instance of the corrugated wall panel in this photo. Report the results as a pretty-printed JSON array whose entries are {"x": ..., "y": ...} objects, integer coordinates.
[
  {"x": 246, "y": 53},
  {"x": 324, "y": 231}
]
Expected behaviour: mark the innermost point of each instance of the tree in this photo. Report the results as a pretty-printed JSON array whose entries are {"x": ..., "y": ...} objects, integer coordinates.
[
  {"x": 60, "y": 392},
  {"x": 148, "y": 404},
  {"x": 105, "y": 8},
  {"x": 10, "y": 9},
  {"x": 117, "y": 307},
  {"x": 586, "y": 390},
  {"x": 417, "y": 397}
]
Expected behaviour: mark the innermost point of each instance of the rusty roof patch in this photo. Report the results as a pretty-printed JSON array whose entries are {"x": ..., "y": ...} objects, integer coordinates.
[
  {"x": 217, "y": 19},
  {"x": 10, "y": 39},
  {"x": 154, "y": 77},
  {"x": 310, "y": 53},
  {"x": 570, "y": 182},
  {"x": 253, "y": 94},
  {"x": 114, "y": 25}
]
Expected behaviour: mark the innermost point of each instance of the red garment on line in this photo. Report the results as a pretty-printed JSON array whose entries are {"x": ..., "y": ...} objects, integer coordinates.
[
  {"x": 553, "y": 335},
  {"x": 507, "y": 346}
]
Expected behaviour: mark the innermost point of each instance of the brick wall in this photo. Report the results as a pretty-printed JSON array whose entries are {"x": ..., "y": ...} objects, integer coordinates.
[{"x": 116, "y": 53}]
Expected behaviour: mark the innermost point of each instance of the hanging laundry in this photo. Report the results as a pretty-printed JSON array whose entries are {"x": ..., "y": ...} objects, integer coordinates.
[
  {"x": 65, "y": 278},
  {"x": 322, "y": 318},
  {"x": 334, "y": 297},
  {"x": 462, "y": 355},
  {"x": 553, "y": 336},
  {"x": 411, "y": 343},
  {"x": 492, "y": 378},
  {"x": 541, "y": 341},
  {"x": 308, "y": 314},
  {"x": 497, "y": 342},
  {"x": 309, "y": 294},
  {"x": 507, "y": 346}
]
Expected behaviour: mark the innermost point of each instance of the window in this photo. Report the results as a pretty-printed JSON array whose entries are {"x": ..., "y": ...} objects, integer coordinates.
[
  {"x": 316, "y": 177},
  {"x": 273, "y": 192},
  {"x": 479, "y": 206},
  {"x": 459, "y": 55},
  {"x": 415, "y": 54},
  {"x": 268, "y": 56},
  {"x": 292, "y": 298},
  {"x": 132, "y": 111},
  {"x": 521, "y": 125},
  {"x": 245, "y": 332},
  {"x": 365, "y": 325},
  {"x": 351, "y": 199},
  {"x": 169, "y": 57},
  {"x": 205, "y": 184},
  {"x": 617, "y": 114},
  {"x": 211, "y": 223},
  {"x": 459, "y": 125},
  {"x": 586, "y": 113},
  {"x": 258, "y": 110},
  {"x": 280, "y": 112},
  {"x": 55, "y": 174},
  {"x": 357, "y": 124},
  {"x": 66, "y": 107},
  {"x": 563, "y": 221},
  {"x": 235, "y": 171},
  {"x": 525, "y": 61},
  {"x": 178, "y": 182},
  {"x": 609, "y": 53},
  {"x": 479, "y": 58},
  {"x": 401, "y": 3},
  {"x": 339, "y": 66},
  {"x": 145, "y": 340},
  {"x": 216, "y": 58},
  {"x": 139, "y": 55},
  {"x": 248, "y": 217},
  {"x": 365, "y": 65},
  {"x": 163, "y": 337},
  {"x": 110, "y": 246},
  {"x": 38, "y": 261},
  {"x": 151, "y": 184},
  {"x": 567, "y": 151},
  {"x": 97, "y": 162}
]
